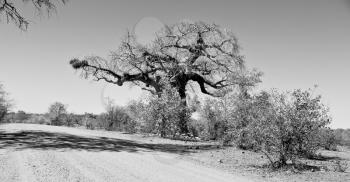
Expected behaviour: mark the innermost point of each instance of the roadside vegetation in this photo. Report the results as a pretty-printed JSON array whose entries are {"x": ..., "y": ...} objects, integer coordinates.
[{"x": 284, "y": 128}]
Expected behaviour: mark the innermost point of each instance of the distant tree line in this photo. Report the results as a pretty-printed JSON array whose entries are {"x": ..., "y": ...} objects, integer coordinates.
[{"x": 283, "y": 126}]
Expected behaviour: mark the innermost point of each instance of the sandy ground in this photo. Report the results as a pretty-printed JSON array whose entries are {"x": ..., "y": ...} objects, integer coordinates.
[
  {"x": 251, "y": 164},
  {"x": 48, "y": 153}
]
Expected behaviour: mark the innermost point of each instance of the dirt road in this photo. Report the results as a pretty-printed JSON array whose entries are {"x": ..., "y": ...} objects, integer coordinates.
[{"x": 48, "y": 153}]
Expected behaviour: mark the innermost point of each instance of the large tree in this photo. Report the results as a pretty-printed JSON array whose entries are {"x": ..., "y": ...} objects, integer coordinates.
[
  {"x": 199, "y": 52},
  {"x": 9, "y": 10}
]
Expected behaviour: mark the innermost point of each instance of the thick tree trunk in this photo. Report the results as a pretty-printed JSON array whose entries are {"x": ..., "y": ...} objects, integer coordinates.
[
  {"x": 3, "y": 111},
  {"x": 282, "y": 161},
  {"x": 163, "y": 128},
  {"x": 183, "y": 114}
]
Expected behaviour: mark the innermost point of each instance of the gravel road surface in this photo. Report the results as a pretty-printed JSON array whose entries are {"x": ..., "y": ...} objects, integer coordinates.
[{"x": 42, "y": 153}]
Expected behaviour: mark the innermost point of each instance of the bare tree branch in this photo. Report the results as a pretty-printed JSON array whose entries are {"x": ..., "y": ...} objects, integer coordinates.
[
  {"x": 11, "y": 13},
  {"x": 184, "y": 52}
]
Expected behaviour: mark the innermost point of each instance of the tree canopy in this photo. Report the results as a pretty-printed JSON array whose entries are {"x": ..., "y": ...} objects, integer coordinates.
[
  {"x": 57, "y": 112},
  {"x": 187, "y": 51}
]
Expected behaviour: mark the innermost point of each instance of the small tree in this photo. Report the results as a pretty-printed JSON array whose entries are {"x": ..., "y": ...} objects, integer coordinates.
[
  {"x": 73, "y": 119},
  {"x": 90, "y": 121},
  {"x": 221, "y": 117},
  {"x": 285, "y": 126},
  {"x": 4, "y": 103},
  {"x": 136, "y": 109},
  {"x": 21, "y": 116},
  {"x": 57, "y": 113},
  {"x": 117, "y": 118}
]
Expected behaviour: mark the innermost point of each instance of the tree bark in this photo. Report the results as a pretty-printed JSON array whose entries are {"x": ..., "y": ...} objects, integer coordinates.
[{"x": 183, "y": 125}]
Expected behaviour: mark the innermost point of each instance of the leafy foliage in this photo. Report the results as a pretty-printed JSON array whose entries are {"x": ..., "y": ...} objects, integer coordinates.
[
  {"x": 166, "y": 114},
  {"x": 117, "y": 118},
  {"x": 57, "y": 113},
  {"x": 73, "y": 120},
  {"x": 21, "y": 116},
  {"x": 329, "y": 139},
  {"x": 285, "y": 126},
  {"x": 90, "y": 121},
  {"x": 342, "y": 136},
  {"x": 213, "y": 121}
]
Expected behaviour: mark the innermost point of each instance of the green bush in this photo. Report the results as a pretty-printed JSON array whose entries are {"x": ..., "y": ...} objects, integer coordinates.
[
  {"x": 199, "y": 128},
  {"x": 136, "y": 110},
  {"x": 328, "y": 139},
  {"x": 165, "y": 115},
  {"x": 73, "y": 120},
  {"x": 90, "y": 121},
  {"x": 213, "y": 124},
  {"x": 116, "y": 118},
  {"x": 285, "y": 126},
  {"x": 58, "y": 113},
  {"x": 342, "y": 136},
  {"x": 20, "y": 117}
]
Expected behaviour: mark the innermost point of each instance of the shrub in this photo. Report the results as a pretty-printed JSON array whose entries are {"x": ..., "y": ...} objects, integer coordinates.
[
  {"x": 328, "y": 139},
  {"x": 73, "y": 120},
  {"x": 116, "y": 118},
  {"x": 20, "y": 117},
  {"x": 242, "y": 115},
  {"x": 166, "y": 114},
  {"x": 90, "y": 121},
  {"x": 342, "y": 136},
  {"x": 213, "y": 124},
  {"x": 136, "y": 110},
  {"x": 285, "y": 126},
  {"x": 199, "y": 128},
  {"x": 41, "y": 119}
]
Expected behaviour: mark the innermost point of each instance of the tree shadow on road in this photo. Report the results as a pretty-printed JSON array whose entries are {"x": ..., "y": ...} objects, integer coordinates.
[{"x": 61, "y": 141}]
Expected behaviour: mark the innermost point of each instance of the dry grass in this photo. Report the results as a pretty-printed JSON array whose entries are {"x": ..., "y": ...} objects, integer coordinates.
[{"x": 328, "y": 166}]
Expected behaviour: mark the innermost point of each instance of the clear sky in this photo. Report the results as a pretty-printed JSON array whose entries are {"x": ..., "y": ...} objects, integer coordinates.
[{"x": 295, "y": 43}]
